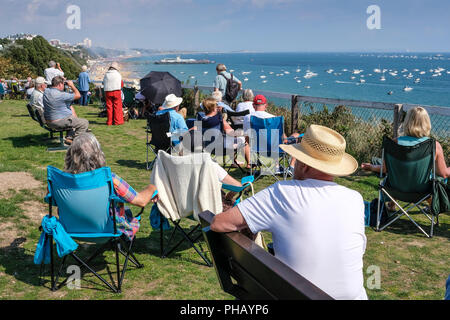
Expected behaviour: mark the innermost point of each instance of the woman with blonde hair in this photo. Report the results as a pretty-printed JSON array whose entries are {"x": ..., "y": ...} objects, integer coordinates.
[
  {"x": 417, "y": 129},
  {"x": 84, "y": 155}
]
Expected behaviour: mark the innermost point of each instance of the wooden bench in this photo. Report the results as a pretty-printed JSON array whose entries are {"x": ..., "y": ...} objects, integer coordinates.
[
  {"x": 248, "y": 272},
  {"x": 38, "y": 115}
]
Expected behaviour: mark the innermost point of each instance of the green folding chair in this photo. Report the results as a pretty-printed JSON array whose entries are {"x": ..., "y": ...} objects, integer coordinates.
[{"x": 410, "y": 178}]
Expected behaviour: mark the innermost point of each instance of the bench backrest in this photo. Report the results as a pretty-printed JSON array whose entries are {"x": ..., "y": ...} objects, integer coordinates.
[{"x": 248, "y": 272}]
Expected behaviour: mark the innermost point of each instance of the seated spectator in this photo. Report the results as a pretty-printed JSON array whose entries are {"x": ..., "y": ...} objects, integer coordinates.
[
  {"x": 58, "y": 111},
  {"x": 84, "y": 155},
  {"x": 28, "y": 84},
  {"x": 30, "y": 89},
  {"x": 52, "y": 71},
  {"x": 416, "y": 129},
  {"x": 247, "y": 104},
  {"x": 223, "y": 107},
  {"x": 260, "y": 105},
  {"x": 37, "y": 96},
  {"x": 177, "y": 122},
  {"x": 2, "y": 90},
  {"x": 213, "y": 119},
  {"x": 317, "y": 225}
]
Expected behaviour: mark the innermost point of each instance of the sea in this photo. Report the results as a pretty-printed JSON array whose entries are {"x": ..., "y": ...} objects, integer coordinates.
[{"x": 379, "y": 77}]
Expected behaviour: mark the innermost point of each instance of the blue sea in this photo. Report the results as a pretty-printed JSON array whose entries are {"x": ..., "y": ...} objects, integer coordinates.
[{"x": 355, "y": 76}]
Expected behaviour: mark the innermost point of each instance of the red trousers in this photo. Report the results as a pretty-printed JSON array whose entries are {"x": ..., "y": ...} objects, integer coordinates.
[{"x": 114, "y": 110}]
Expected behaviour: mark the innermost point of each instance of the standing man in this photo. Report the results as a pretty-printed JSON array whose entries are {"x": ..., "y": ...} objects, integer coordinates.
[
  {"x": 112, "y": 83},
  {"x": 52, "y": 71},
  {"x": 83, "y": 84},
  {"x": 220, "y": 83},
  {"x": 316, "y": 224},
  {"x": 37, "y": 97},
  {"x": 59, "y": 113}
]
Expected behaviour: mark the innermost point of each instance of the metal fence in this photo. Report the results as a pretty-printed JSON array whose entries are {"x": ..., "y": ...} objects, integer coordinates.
[{"x": 363, "y": 123}]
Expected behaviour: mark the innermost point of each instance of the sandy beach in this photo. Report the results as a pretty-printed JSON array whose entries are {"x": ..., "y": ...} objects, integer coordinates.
[{"x": 98, "y": 68}]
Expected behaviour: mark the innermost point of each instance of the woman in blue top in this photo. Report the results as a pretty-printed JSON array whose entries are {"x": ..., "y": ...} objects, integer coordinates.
[{"x": 83, "y": 84}]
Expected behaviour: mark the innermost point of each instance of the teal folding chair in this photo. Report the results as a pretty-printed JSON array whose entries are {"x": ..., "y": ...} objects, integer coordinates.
[
  {"x": 410, "y": 178},
  {"x": 85, "y": 204}
]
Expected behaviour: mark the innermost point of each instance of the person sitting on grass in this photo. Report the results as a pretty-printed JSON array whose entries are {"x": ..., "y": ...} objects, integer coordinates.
[
  {"x": 84, "y": 155},
  {"x": 317, "y": 225},
  {"x": 59, "y": 113},
  {"x": 416, "y": 129}
]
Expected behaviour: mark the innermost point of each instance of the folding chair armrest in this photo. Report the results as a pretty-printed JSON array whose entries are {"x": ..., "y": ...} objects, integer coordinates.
[{"x": 245, "y": 181}]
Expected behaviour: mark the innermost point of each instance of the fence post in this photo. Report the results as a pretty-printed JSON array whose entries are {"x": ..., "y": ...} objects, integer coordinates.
[
  {"x": 196, "y": 98},
  {"x": 398, "y": 108},
  {"x": 294, "y": 114}
]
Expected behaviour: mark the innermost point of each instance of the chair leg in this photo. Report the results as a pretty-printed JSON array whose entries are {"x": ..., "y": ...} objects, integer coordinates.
[{"x": 116, "y": 245}]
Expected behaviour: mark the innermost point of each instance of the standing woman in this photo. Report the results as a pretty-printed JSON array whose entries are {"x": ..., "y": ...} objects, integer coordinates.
[
  {"x": 113, "y": 84},
  {"x": 83, "y": 84}
]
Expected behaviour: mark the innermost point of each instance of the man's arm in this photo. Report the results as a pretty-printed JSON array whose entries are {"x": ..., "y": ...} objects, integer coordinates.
[
  {"x": 76, "y": 93},
  {"x": 229, "y": 221}
]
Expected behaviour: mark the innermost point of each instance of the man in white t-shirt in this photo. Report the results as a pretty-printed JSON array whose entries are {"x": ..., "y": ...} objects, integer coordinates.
[
  {"x": 317, "y": 225},
  {"x": 53, "y": 70}
]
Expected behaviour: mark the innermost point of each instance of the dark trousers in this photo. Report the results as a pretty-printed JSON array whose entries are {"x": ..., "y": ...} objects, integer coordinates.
[{"x": 84, "y": 98}]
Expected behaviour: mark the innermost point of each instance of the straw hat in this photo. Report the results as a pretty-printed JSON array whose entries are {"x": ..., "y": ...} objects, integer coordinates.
[
  {"x": 323, "y": 149},
  {"x": 171, "y": 101},
  {"x": 115, "y": 65}
]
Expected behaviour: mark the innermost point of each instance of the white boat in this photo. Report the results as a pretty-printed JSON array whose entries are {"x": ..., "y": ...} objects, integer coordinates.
[
  {"x": 262, "y": 77},
  {"x": 309, "y": 75},
  {"x": 409, "y": 76},
  {"x": 390, "y": 93},
  {"x": 382, "y": 78},
  {"x": 417, "y": 80},
  {"x": 407, "y": 89},
  {"x": 307, "y": 87},
  {"x": 362, "y": 81},
  {"x": 298, "y": 70},
  {"x": 357, "y": 71},
  {"x": 205, "y": 72},
  {"x": 245, "y": 79},
  {"x": 299, "y": 81},
  {"x": 377, "y": 70},
  {"x": 271, "y": 72},
  {"x": 422, "y": 72},
  {"x": 353, "y": 78},
  {"x": 246, "y": 72},
  {"x": 437, "y": 75},
  {"x": 264, "y": 81},
  {"x": 330, "y": 71}
]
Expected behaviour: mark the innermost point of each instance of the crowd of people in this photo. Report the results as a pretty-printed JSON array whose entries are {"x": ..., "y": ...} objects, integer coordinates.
[{"x": 317, "y": 225}]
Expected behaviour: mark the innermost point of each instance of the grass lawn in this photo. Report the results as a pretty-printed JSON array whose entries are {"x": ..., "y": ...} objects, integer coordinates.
[{"x": 412, "y": 266}]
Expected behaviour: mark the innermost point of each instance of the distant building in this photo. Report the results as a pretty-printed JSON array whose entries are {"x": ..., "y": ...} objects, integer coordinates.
[
  {"x": 87, "y": 43},
  {"x": 20, "y": 36},
  {"x": 55, "y": 42},
  {"x": 1, "y": 47}
]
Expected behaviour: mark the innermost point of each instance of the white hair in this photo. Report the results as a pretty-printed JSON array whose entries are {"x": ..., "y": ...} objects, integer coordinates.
[
  {"x": 84, "y": 68},
  {"x": 84, "y": 154},
  {"x": 248, "y": 95},
  {"x": 51, "y": 64},
  {"x": 217, "y": 95}
]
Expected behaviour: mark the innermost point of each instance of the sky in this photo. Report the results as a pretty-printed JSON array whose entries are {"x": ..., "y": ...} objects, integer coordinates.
[{"x": 235, "y": 25}]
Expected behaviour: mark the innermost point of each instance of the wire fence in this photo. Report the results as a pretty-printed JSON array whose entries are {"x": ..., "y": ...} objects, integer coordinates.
[{"x": 362, "y": 123}]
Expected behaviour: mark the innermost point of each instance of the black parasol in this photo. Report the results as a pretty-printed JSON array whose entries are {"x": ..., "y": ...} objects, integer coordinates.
[{"x": 156, "y": 85}]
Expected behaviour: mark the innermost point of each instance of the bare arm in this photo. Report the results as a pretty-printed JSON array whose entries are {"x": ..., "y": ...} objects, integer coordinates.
[
  {"x": 144, "y": 197},
  {"x": 231, "y": 181},
  {"x": 74, "y": 89},
  {"x": 441, "y": 167},
  {"x": 229, "y": 221}
]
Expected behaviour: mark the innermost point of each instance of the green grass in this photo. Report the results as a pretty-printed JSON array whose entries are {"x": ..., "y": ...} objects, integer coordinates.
[{"x": 412, "y": 266}]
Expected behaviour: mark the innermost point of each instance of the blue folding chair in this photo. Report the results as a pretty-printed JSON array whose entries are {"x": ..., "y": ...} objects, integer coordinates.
[
  {"x": 85, "y": 204},
  {"x": 265, "y": 138}
]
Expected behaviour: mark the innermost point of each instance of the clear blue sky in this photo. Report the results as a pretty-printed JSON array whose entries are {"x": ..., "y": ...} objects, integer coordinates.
[{"x": 230, "y": 25}]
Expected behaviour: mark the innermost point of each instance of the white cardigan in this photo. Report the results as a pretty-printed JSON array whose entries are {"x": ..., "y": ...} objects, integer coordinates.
[{"x": 112, "y": 80}]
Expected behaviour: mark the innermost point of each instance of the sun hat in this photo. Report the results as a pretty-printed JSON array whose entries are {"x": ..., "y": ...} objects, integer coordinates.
[
  {"x": 259, "y": 99},
  {"x": 171, "y": 101},
  {"x": 115, "y": 65},
  {"x": 39, "y": 80},
  {"x": 323, "y": 149}
]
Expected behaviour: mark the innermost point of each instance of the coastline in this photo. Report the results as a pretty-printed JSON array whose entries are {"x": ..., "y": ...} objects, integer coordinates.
[{"x": 98, "y": 68}]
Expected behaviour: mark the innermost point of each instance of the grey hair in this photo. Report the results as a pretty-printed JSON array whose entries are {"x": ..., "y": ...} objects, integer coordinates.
[
  {"x": 248, "y": 95},
  {"x": 217, "y": 95},
  {"x": 221, "y": 67},
  {"x": 51, "y": 64},
  {"x": 84, "y": 155}
]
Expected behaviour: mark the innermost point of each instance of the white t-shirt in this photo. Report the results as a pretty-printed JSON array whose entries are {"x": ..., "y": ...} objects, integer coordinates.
[
  {"x": 50, "y": 73},
  {"x": 247, "y": 105},
  {"x": 259, "y": 114},
  {"x": 318, "y": 230}
]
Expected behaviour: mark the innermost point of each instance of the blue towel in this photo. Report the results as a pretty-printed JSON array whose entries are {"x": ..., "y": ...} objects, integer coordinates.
[
  {"x": 155, "y": 220},
  {"x": 64, "y": 243}
]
